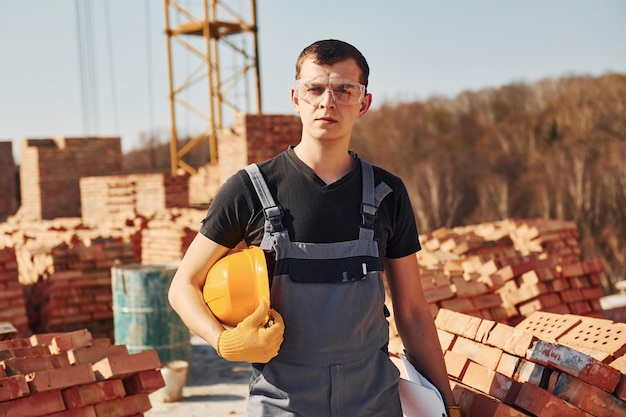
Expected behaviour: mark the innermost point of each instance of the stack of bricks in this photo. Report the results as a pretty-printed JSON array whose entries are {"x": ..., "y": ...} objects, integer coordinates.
[
  {"x": 75, "y": 375},
  {"x": 8, "y": 196},
  {"x": 78, "y": 293},
  {"x": 507, "y": 270},
  {"x": 254, "y": 138},
  {"x": 168, "y": 234},
  {"x": 549, "y": 365},
  {"x": 12, "y": 302},
  {"x": 120, "y": 196},
  {"x": 34, "y": 240},
  {"x": 50, "y": 170}
]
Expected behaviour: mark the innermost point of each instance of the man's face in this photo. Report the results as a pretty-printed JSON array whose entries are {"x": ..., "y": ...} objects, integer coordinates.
[{"x": 328, "y": 118}]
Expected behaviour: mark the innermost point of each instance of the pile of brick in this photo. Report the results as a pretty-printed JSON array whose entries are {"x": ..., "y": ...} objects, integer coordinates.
[
  {"x": 548, "y": 365},
  {"x": 78, "y": 294},
  {"x": 168, "y": 234},
  {"x": 8, "y": 201},
  {"x": 102, "y": 197},
  {"x": 50, "y": 170},
  {"x": 74, "y": 374},
  {"x": 507, "y": 270},
  {"x": 12, "y": 302}
]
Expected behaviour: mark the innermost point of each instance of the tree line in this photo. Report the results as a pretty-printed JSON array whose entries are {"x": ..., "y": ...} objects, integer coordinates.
[{"x": 552, "y": 149}]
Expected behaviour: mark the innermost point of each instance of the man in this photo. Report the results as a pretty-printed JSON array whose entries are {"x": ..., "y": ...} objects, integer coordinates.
[{"x": 331, "y": 222}]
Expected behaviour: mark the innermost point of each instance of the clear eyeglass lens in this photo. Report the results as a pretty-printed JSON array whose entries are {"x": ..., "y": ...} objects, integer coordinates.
[{"x": 343, "y": 91}]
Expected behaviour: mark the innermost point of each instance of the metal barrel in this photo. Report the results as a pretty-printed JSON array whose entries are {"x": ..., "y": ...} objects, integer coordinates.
[{"x": 142, "y": 316}]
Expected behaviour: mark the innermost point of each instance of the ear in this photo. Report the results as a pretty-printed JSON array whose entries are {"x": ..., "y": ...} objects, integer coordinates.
[
  {"x": 365, "y": 105},
  {"x": 295, "y": 101}
]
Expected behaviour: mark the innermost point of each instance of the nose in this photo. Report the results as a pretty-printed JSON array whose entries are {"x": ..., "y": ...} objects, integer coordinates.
[{"x": 327, "y": 99}]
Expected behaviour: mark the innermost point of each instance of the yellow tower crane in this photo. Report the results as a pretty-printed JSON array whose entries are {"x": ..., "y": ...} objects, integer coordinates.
[{"x": 202, "y": 30}]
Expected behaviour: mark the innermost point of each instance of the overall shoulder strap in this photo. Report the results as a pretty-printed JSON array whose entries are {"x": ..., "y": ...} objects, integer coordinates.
[
  {"x": 372, "y": 197},
  {"x": 272, "y": 212}
]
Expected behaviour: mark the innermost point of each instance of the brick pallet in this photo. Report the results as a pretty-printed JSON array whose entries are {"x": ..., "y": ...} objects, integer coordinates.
[{"x": 73, "y": 374}]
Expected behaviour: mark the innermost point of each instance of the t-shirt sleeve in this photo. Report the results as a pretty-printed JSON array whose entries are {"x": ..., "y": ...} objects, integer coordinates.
[
  {"x": 404, "y": 239},
  {"x": 228, "y": 213}
]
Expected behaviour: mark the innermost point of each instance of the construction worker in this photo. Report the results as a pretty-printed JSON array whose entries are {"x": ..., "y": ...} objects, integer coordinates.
[{"x": 329, "y": 222}]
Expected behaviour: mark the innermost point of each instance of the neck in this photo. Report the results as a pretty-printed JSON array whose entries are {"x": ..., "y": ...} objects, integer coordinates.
[{"x": 329, "y": 162}]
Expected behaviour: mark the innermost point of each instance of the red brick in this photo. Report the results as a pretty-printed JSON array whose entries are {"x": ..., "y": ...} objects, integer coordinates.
[
  {"x": 144, "y": 382},
  {"x": 457, "y": 323},
  {"x": 456, "y": 364},
  {"x": 596, "y": 334},
  {"x": 14, "y": 343},
  {"x": 29, "y": 364},
  {"x": 572, "y": 270},
  {"x": 487, "y": 356},
  {"x": 3, "y": 373},
  {"x": 478, "y": 377},
  {"x": 90, "y": 394},
  {"x": 24, "y": 352},
  {"x": 499, "y": 335},
  {"x": 123, "y": 407},
  {"x": 519, "y": 342},
  {"x": 462, "y": 305},
  {"x": 548, "y": 326},
  {"x": 588, "y": 397},
  {"x": 438, "y": 294},
  {"x": 466, "y": 288},
  {"x": 486, "y": 301},
  {"x": 485, "y": 406},
  {"x": 88, "y": 411},
  {"x": 60, "y": 378},
  {"x": 92, "y": 354},
  {"x": 508, "y": 364},
  {"x": 465, "y": 396},
  {"x": 121, "y": 366},
  {"x": 446, "y": 339},
  {"x": 70, "y": 340},
  {"x": 620, "y": 390},
  {"x": 39, "y": 404},
  {"x": 542, "y": 403},
  {"x": 13, "y": 387},
  {"x": 531, "y": 372},
  {"x": 575, "y": 363}
]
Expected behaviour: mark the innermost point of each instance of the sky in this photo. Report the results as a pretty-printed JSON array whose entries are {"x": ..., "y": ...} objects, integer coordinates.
[{"x": 75, "y": 67}]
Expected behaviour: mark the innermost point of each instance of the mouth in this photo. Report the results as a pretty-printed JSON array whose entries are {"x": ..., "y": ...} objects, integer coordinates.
[{"x": 326, "y": 120}]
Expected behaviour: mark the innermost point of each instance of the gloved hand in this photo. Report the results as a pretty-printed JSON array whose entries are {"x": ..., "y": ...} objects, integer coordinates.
[
  {"x": 254, "y": 339},
  {"x": 454, "y": 411}
]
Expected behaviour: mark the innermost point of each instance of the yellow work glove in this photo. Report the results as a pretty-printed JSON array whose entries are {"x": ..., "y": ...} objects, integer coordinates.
[
  {"x": 256, "y": 339},
  {"x": 454, "y": 411}
]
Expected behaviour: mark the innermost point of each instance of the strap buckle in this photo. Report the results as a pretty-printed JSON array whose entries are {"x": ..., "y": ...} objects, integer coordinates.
[
  {"x": 274, "y": 215},
  {"x": 368, "y": 211}
]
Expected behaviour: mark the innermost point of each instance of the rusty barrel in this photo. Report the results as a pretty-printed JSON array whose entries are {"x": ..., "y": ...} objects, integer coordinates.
[{"x": 142, "y": 316}]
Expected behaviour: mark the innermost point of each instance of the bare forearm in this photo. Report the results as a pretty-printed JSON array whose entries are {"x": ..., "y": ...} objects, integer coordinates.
[
  {"x": 420, "y": 340},
  {"x": 189, "y": 304}
]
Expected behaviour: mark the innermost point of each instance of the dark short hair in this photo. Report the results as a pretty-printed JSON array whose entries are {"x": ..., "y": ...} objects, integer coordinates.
[{"x": 331, "y": 51}]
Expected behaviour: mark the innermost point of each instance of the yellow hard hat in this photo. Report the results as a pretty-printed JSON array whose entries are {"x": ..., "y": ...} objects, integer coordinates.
[{"x": 236, "y": 284}]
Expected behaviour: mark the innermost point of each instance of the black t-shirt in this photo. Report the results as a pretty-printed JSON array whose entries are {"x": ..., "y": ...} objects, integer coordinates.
[{"x": 313, "y": 211}]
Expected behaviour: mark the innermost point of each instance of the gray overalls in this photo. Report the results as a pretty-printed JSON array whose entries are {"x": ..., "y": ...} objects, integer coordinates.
[{"x": 331, "y": 295}]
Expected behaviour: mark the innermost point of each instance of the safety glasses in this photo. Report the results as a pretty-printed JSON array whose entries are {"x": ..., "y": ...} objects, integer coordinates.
[{"x": 343, "y": 91}]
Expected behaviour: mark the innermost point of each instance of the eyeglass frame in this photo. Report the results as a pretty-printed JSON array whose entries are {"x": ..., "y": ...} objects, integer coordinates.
[{"x": 362, "y": 88}]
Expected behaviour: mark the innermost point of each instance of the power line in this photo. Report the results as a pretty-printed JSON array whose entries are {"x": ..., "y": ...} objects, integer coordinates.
[{"x": 111, "y": 67}]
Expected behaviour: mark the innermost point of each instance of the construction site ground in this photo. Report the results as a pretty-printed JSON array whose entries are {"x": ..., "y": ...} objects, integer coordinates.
[{"x": 215, "y": 387}]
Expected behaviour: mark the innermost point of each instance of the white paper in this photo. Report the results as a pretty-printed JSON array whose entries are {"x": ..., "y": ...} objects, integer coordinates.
[{"x": 419, "y": 398}]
